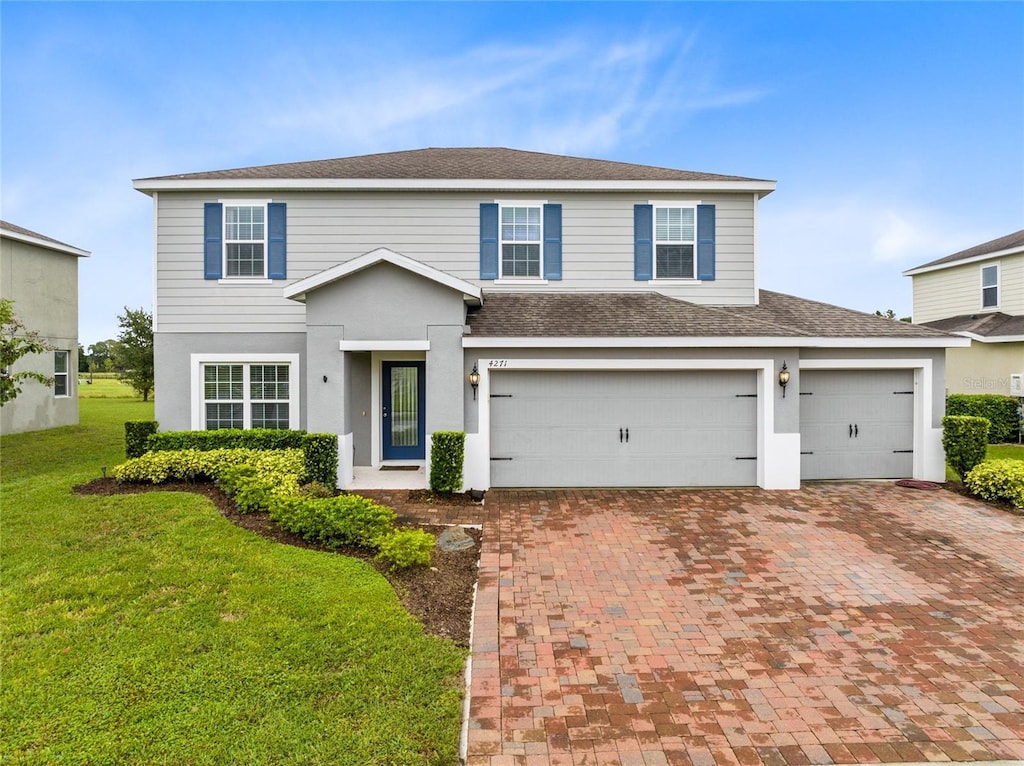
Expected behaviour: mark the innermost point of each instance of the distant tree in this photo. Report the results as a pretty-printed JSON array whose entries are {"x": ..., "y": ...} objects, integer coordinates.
[
  {"x": 17, "y": 341},
  {"x": 890, "y": 314},
  {"x": 102, "y": 354},
  {"x": 134, "y": 353}
]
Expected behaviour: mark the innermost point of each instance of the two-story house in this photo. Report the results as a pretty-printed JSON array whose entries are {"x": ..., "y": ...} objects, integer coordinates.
[
  {"x": 40, "y": 275},
  {"x": 585, "y": 322},
  {"x": 978, "y": 293}
]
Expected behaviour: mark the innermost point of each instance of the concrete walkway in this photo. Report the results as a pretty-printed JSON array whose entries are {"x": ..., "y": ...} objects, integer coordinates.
[{"x": 843, "y": 623}]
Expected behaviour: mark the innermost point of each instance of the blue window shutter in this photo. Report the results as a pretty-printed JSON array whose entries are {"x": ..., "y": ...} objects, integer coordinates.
[
  {"x": 643, "y": 241},
  {"x": 213, "y": 247},
  {"x": 706, "y": 242},
  {"x": 552, "y": 242},
  {"x": 277, "y": 267},
  {"x": 488, "y": 240}
]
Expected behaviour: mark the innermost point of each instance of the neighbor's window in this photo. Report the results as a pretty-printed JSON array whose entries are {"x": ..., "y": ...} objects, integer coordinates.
[
  {"x": 244, "y": 240},
  {"x": 520, "y": 241},
  {"x": 246, "y": 396},
  {"x": 60, "y": 373},
  {"x": 990, "y": 286},
  {"x": 675, "y": 239}
]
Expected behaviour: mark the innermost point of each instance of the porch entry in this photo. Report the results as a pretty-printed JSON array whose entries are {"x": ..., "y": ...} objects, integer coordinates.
[{"x": 403, "y": 410}]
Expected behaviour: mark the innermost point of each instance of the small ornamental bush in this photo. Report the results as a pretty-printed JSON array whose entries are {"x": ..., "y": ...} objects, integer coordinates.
[
  {"x": 335, "y": 521},
  {"x": 315, "y": 489},
  {"x": 405, "y": 548},
  {"x": 284, "y": 467},
  {"x": 321, "y": 456},
  {"x": 136, "y": 432},
  {"x": 964, "y": 439},
  {"x": 447, "y": 449},
  {"x": 998, "y": 480},
  {"x": 1003, "y": 412}
]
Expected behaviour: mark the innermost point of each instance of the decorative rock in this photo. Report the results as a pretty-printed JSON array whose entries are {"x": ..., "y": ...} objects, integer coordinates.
[{"x": 455, "y": 539}]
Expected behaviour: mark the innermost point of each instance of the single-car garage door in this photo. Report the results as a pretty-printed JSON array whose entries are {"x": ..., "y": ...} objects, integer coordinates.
[
  {"x": 623, "y": 429},
  {"x": 856, "y": 424}
]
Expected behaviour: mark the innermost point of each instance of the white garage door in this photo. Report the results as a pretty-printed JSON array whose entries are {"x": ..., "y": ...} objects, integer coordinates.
[
  {"x": 856, "y": 424},
  {"x": 623, "y": 429}
]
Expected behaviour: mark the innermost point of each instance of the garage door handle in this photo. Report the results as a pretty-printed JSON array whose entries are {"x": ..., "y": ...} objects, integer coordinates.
[
  {"x": 620, "y": 436},
  {"x": 856, "y": 431},
  {"x": 627, "y": 436},
  {"x": 851, "y": 430}
]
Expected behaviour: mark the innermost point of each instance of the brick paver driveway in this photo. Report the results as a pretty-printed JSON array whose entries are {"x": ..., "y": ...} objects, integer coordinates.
[{"x": 845, "y": 623}]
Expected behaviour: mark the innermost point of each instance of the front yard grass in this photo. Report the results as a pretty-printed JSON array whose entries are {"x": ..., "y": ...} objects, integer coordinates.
[
  {"x": 994, "y": 452},
  {"x": 148, "y": 629}
]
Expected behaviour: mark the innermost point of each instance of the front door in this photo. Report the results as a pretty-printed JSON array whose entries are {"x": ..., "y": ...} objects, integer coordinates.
[{"x": 403, "y": 423}]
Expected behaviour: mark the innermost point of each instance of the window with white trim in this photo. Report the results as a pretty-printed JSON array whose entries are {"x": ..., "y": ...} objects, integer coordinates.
[
  {"x": 521, "y": 238},
  {"x": 246, "y": 395},
  {"x": 990, "y": 286},
  {"x": 245, "y": 244},
  {"x": 675, "y": 242},
  {"x": 61, "y": 384}
]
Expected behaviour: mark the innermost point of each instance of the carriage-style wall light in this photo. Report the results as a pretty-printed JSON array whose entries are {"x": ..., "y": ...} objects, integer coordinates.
[
  {"x": 474, "y": 379},
  {"x": 784, "y": 379}
]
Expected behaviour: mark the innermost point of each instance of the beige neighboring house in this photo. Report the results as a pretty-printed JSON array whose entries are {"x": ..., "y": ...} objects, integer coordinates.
[
  {"x": 978, "y": 293},
  {"x": 40, "y": 275}
]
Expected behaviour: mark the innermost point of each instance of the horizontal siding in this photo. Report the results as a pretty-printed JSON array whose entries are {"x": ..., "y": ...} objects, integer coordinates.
[
  {"x": 439, "y": 229},
  {"x": 957, "y": 290}
]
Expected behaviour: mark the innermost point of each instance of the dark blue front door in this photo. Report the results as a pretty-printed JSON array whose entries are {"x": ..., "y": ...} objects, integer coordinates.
[{"x": 404, "y": 396}]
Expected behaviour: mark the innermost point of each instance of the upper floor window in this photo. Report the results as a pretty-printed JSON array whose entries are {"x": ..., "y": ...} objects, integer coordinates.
[
  {"x": 520, "y": 241},
  {"x": 675, "y": 240},
  {"x": 61, "y": 385},
  {"x": 990, "y": 286},
  {"x": 244, "y": 241}
]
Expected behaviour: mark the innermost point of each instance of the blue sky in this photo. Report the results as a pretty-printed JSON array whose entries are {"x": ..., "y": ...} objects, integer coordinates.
[{"x": 895, "y": 131}]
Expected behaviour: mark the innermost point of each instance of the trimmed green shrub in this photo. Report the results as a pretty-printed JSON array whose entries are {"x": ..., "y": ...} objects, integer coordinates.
[
  {"x": 447, "y": 449},
  {"x": 405, "y": 548},
  {"x": 321, "y": 455},
  {"x": 284, "y": 467},
  {"x": 233, "y": 477},
  {"x": 315, "y": 489},
  {"x": 998, "y": 480},
  {"x": 227, "y": 438},
  {"x": 136, "y": 432},
  {"x": 964, "y": 439},
  {"x": 335, "y": 521},
  {"x": 1001, "y": 411}
]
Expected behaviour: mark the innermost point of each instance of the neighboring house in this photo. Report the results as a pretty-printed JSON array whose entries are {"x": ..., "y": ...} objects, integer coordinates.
[
  {"x": 609, "y": 314},
  {"x": 977, "y": 293},
  {"x": 40, "y": 275}
]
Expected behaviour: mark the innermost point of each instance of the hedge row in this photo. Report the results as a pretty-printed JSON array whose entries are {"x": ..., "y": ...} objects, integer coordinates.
[
  {"x": 320, "y": 450},
  {"x": 284, "y": 467},
  {"x": 1003, "y": 412}
]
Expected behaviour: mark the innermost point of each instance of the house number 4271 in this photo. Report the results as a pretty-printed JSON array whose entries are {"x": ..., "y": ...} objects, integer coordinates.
[{"x": 497, "y": 363}]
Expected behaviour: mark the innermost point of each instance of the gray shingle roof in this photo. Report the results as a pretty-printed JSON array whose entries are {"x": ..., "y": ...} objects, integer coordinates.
[
  {"x": 465, "y": 163},
  {"x": 992, "y": 325},
  {"x": 14, "y": 229},
  {"x": 652, "y": 315},
  {"x": 1008, "y": 242}
]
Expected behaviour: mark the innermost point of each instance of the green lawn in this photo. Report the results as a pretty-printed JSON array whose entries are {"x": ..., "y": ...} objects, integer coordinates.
[
  {"x": 994, "y": 452},
  {"x": 147, "y": 629}
]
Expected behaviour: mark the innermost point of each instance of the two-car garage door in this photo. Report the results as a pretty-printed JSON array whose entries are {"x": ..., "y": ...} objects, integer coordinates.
[
  {"x": 623, "y": 428},
  {"x": 608, "y": 428}
]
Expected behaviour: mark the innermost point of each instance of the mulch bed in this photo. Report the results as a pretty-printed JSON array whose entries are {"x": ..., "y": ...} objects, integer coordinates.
[{"x": 440, "y": 596}]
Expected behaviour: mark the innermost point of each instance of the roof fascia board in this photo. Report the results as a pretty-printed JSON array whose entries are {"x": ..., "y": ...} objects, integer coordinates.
[
  {"x": 713, "y": 342},
  {"x": 297, "y": 291},
  {"x": 964, "y": 261},
  {"x": 148, "y": 186},
  {"x": 993, "y": 338},
  {"x": 60, "y": 247}
]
